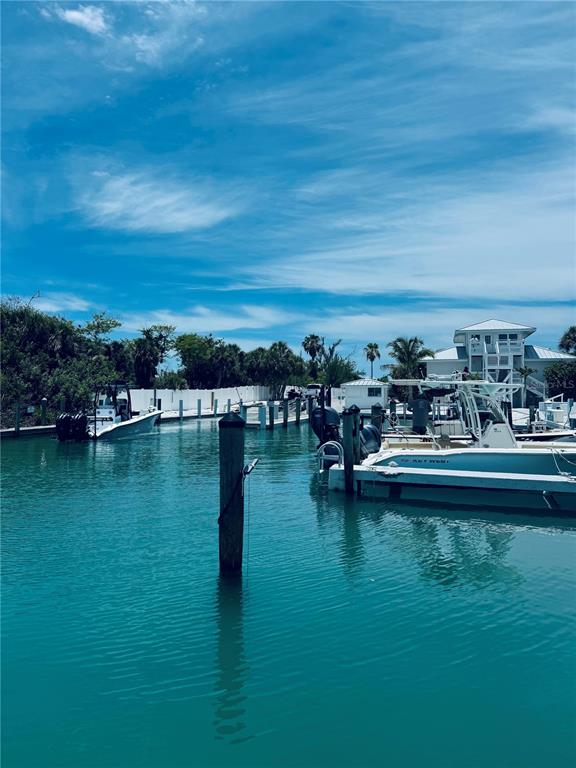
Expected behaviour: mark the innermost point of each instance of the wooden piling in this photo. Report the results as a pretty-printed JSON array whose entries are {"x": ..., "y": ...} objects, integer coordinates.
[
  {"x": 17, "y": 419},
  {"x": 243, "y": 412},
  {"x": 215, "y": 411},
  {"x": 181, "y": 409},
  {"x": 43, "y": 410},
  {"x": 356, "y": 433},
  {"x": 199, "y": 407},
  {"x": 298, "y": 409},
  {"x": 271, "y": 414},
  {"x": 285, "y": 406},
  {"x": 228, "y": 405},
  {"x": 231, "y": 519},
  {"x": 376, "y": 416},
  {"x": 262, "y": 416},
  {"x": 348, "y": 446}
]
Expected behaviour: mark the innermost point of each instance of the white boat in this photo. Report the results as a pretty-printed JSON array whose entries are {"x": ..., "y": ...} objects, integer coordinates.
[
  {"x": 113, "y": 417},
  {"x": 494, "y": 470}
]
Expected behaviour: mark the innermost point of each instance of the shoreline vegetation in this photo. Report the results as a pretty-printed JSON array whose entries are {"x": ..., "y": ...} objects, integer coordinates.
[{"x": 49, "y": 356}]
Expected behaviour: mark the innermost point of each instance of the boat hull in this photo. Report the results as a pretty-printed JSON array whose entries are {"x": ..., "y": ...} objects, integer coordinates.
[
  {"x": 515, "y": 491},
  {"x": 138, "y": 425}
]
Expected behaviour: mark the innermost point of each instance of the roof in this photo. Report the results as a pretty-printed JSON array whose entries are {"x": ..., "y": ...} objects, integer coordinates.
[
  {"x": 452, "y": 353},
  {"x": 544, "y": 353},
  {"x": 364, "y": 383},
  {"x": 496, "y": 325}
]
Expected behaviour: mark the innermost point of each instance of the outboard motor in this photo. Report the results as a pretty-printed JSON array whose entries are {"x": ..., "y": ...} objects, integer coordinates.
[
  {"x": 72, "y": 426},
  {"x": 325, "y": 422},
  {"x": 370, "y": 440}
]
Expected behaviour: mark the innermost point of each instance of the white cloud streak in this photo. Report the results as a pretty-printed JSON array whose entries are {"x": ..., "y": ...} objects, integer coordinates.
[
  {"x": 200, "y": 319},
  {"x": 147, "y": 202},
  {"x": 61, "y": 302},
  {"x": 91, "y": 18}
]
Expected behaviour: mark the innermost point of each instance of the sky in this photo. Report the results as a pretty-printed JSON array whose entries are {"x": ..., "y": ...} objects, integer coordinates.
[{"x": 266, "y": 170}]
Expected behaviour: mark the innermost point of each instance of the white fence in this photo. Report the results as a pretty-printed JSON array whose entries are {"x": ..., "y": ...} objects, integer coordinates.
[{"x": 169, "y": 399}]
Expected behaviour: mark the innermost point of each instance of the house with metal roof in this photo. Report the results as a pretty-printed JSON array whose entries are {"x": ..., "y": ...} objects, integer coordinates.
[{"x": 497, "y": 351}]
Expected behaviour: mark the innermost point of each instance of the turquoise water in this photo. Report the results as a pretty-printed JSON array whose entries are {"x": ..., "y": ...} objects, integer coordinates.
[{"x": 362, "y": 634}]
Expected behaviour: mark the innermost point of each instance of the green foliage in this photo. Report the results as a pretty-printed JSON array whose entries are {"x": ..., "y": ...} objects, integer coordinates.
[
  {"x": 170, "y": 380},
  {"x": 561, "y": 379},
  {"x": 339, "y": 369},
  {"x": 408, "y": 353},
  {"x": 47, "y": 356},
  {"x": 567, "y": 342}
]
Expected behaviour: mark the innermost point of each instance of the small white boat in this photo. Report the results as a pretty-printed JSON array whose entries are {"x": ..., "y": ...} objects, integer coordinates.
[
  {"x": 493, "y": 471},
  {"x": 113, "y": 418}
]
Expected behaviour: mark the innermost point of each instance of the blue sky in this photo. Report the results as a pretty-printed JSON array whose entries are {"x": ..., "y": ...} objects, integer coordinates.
[{"x": 263, "y": 171}]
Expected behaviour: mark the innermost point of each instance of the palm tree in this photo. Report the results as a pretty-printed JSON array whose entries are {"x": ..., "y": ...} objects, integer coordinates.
[
  {"x": 568, "y": 341},
  {"x": 313, "y": 346},
  {"x": 525, "y": 371},
  {"x": 408, "y": 354},
  {"x": 372, "y": 353}
]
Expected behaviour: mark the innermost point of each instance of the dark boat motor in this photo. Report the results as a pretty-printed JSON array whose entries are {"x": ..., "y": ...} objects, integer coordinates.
[
  {"x": 370, "y": 440},
  {"x": 72, "y": 426},
  {"x": 325, "y": 422}
]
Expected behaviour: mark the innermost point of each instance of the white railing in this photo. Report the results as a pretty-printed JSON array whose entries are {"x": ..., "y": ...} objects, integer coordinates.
[{"x": 536, "y": 386}]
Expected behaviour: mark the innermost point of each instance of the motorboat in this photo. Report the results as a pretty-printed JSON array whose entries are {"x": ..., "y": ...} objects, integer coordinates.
[
  {"x": 489, "y": 469},
  {"x": 113, "y": 417}
]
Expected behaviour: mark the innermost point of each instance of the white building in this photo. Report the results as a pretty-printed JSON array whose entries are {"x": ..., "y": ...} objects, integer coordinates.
[
  {"x": 365, "y": 393},
  {"x": 496, "y": 350}
]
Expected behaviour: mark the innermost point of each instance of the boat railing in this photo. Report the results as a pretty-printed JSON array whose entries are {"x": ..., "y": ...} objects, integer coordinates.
[{"x": 328, "y": 458}]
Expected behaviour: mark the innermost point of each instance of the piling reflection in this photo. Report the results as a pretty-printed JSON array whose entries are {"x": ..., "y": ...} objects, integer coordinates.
[{"x": 231, "y": 666}]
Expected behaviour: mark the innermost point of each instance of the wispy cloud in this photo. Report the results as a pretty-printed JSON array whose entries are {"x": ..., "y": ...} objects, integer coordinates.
[
  {"x": 200, "y": 319},
  {"x": 88, "y": 17},
  {"x": 148, "y": 202},
  {"x": 62, "y": 302}
]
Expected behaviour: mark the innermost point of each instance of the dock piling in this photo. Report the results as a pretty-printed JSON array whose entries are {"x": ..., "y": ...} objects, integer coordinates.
[
  {"x": 298, "y": 409},
  {"x": 231, "y": 519},
  {"x": 228, "y": 405},
  {"x": 271, "y": 413},
  {"x": 262, "y": 416},
  {"x": 348, "y": 446},
  {"x": 215, "y": 406},
  {"x": 285, "y": 412},
  {"x": 43, "y": 410},
  {"x": 376, "y": 416},
  {"x": 199, "y": 407},
  {"x": 181, "y": 410}
]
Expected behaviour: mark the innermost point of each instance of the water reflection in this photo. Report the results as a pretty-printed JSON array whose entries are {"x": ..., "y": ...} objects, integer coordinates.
[
  {"x": 231, "y": 666},
  {"x": 450, "y": 548}
]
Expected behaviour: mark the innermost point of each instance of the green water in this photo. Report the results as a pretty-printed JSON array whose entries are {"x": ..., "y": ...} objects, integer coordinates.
[{"x": 363, "y": 634}]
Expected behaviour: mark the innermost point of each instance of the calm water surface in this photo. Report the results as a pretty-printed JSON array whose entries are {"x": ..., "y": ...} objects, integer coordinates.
[{"x": 362, "y": 634}]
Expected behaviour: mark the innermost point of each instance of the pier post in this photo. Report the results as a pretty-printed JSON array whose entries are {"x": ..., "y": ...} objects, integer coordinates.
[
  {"x": 376, "y": 416},
  {"x": 43, "y": 410},
  {"x": 298, "y": 407},
  {"x": 309, "y": 406},
  {"x": 271, "y": 414},
  {"x": 262, "y": 416},
  {"x": 231, "y": 519},
  {"x": 285, "y": 412},
  {"x": 531, "y": 417},
  {"x": 356, "y": 433},
  {"x": 243, "y": 411},
  {"x": 348, "y": 446},
  {"x": 199, "y": 407},
  {"x": 215, "y": 406},
  {"x": 228, "y": 405},
  {"x": 181, "y": 409},
  {"x": 17, "y": 419}
]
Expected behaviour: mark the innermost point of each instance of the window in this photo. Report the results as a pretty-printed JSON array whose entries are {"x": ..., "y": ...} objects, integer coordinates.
[
  {"x": 488, "y": 339},
  {"x": 503, "y": 336},
  {"x": 513, "y": 336},
  {"x": 374, "y": 391}
]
